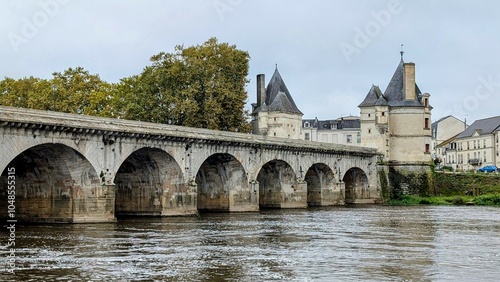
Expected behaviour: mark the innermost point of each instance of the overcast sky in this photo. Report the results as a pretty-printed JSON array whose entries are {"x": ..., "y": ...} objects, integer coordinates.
[{"x": 329, "y": 53}]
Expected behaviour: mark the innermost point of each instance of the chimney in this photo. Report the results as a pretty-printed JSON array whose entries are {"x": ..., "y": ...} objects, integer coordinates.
[
  {"x": 261, "y": 90},
  {"x": 409, "y": 81}
]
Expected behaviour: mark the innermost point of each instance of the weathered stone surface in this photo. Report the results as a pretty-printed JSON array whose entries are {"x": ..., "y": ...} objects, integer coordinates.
[{"x": 72, "y": 167}]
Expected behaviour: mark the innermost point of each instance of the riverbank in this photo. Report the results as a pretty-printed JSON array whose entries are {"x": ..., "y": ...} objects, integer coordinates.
[
  {"x": 458, "y": 189},
  {"x": 482, "y": 200}
]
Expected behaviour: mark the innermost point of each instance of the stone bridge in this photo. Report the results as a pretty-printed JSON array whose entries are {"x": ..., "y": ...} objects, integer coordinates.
[{"x": 75, "y": 168}]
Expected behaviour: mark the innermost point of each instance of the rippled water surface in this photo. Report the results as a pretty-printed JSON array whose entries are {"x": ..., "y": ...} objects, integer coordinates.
[{"x": 336, "y": 244}]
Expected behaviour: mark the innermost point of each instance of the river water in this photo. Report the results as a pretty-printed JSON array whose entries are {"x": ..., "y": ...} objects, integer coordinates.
[{"x": 369, "y": 243}]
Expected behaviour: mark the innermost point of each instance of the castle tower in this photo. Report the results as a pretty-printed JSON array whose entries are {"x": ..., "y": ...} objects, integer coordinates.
[
  {"x": 275, "y": 113},
  {"x": 398, "y": 123}
]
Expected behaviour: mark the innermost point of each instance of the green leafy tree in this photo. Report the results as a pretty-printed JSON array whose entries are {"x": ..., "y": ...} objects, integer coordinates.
[
  {"x": 78, "y": 91},
  {"x": 199, "y": 86}
]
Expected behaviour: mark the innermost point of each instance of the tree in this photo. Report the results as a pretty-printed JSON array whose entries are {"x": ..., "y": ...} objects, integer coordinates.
[
  {"x": 199, "y": 86},
  {"x": 78, "y": 91}
]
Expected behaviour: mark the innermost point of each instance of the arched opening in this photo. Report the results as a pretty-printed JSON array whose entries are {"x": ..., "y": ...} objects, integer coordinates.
[
  {"x": 55, "y": 183},
  {"x": 321, "y": 186},
  {"x": 276, "y": 180},
  {"x": 356, "y": 184},
  {"x": 150, "y": 182},
  {"x": 222, "y": 184}
]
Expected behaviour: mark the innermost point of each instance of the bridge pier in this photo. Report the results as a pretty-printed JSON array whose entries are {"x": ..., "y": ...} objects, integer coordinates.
[
  {"x": 294, "y": 196},
  {"x": 97, "y": 207}
]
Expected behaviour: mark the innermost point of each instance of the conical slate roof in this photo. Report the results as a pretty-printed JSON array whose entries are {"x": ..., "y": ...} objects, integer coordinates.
[
  {"x": 394, "y": 93},
  {"x": 374, "y": 97},
  {"x": 278, "y": 97}
]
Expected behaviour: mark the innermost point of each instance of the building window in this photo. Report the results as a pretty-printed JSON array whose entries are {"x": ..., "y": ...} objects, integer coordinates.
[
  {"x": 426, "y": 103},
  {"x": 306, "y": 124},
  {"x": 369, "y": 131},
  {"x": 474, "y": 144},
  {"x": 383, "y": 114},
  {"x": 306, "y": 137},
  {"x": 484, "y": 143},
  {"x": 427, "y": 148},
  {"x": 358, "y": 137},
  {"x": 468, "y": 146},
  {"x": 349, "y": 138},
  {"x": 369, "y": 115},
  {"x": 426, "y": 123},
  {"x": 484, "y": 156}
]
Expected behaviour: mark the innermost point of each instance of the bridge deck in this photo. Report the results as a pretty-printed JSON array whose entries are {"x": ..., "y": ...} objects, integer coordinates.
[{"x": 109, "y": 126}]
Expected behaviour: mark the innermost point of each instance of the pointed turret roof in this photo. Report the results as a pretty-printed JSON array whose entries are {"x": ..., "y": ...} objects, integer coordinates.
[
  {"x": 394, "y": 93},
  {"x": 278, "y": 97},
  {"x": 374, "y": 97}
]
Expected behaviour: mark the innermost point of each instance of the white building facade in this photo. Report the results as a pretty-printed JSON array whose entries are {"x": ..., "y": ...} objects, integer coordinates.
[
  {"x": 344, "y": 130},
  {"x": 476, "y": 146}
]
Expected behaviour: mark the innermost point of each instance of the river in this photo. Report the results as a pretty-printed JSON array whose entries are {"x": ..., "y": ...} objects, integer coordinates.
[{"x": 367, "y": 243}]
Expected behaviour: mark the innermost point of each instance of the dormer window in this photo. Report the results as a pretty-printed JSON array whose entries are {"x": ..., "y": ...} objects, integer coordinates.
[{"x": 306, "y": 124}]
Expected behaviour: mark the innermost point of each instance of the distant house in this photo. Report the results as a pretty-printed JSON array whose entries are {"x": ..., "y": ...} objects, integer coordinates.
[
  {"x": 476, "y": 146},
  {"x": 444, "y": 129},
  {"x": 344, "y": 130}
]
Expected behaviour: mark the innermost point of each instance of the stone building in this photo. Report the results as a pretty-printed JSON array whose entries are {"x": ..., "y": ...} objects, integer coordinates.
[
  {"x": 344, "y": 130},
  {"x": 445, "y": 129},
  {"x": 476, "y": 146},
  {"x": 398, "y": 123},
  {"x": 275, "y": 113}
]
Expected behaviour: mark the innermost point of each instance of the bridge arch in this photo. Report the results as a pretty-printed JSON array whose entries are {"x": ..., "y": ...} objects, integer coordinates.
[
  {"x": 222, "y": 184},
  {"x": 151, "y": 182},
  {"x": 277, "y": 184},
  {"x": 356, "y": 185},
  {"x": 322, "y": 187},
  {"x": 56, "y": 183}
]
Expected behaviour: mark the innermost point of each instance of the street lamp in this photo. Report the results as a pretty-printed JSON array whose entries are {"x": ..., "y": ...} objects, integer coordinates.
[{"x": 54, "y": 89}]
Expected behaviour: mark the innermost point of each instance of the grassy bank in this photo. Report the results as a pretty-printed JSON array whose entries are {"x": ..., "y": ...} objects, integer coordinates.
[
  {"x": 458, "y": 189},
  {"x": 482, "y": 200}
]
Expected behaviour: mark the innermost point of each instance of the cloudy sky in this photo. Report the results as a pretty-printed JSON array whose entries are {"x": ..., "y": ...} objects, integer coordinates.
[{"x": 328, "y": 52}]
